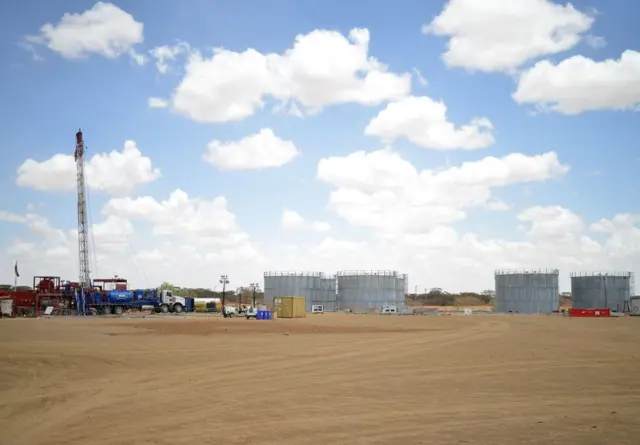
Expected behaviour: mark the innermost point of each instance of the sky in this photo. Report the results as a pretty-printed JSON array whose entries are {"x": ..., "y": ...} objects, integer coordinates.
[{"x": 444, "y": 140}]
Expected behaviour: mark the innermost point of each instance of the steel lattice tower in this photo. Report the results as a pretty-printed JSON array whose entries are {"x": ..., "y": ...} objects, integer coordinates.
[{"x": 83, "y": 228}]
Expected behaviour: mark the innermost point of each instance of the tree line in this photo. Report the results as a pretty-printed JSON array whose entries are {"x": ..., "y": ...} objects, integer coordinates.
[
  {"x": 240, "y": 294},
  {"x": 439, "y": 297}
]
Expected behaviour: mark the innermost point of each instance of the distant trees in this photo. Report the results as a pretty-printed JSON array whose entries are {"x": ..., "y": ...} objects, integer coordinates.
[
  {"x": 438, "y": 297},
  {"x": 242, "y": 293},
  {"x": 6, "y": 287}
]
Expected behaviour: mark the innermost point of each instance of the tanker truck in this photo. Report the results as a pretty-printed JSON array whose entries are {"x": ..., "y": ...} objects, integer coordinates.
[{"x": 118, "y": 301}]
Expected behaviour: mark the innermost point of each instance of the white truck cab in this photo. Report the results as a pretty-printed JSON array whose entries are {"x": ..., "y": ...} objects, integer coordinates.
[
  {"x": 171, "y": 303},
  {"x": 229, "y": 311}
]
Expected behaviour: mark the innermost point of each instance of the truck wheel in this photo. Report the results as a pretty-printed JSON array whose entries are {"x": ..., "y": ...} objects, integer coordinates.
[
  {"x": 107, "y": 310},
  {"x": 164, "y": 308},
  {"x": 118, "y": 310},
  {"x": 177, "y": 308}
]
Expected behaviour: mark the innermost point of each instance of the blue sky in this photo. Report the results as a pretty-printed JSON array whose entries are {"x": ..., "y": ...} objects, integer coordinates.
[{"x": 44, "y": 101}]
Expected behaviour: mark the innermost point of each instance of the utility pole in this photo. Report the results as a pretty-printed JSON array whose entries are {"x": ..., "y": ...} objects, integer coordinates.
[
  {"x": 224, "y": 280},
  {"x": 256, "y": 288}
]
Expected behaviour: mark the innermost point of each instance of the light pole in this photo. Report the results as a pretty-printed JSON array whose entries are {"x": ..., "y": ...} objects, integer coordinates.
[
  {"x": 256, "y": 288},
  {"x": 224, "y": 280}
]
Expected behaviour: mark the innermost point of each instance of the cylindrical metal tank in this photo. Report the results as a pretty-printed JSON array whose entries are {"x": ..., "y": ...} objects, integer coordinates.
[
  {"x": 328, "y": 297},
  {"x": 598, "y": 290},
  {"x": 371, "y": 289},
  {"x": 293, "y": 284},
  {"x": 527, "y": 291}
]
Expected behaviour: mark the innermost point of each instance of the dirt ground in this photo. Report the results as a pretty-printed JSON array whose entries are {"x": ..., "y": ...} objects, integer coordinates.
[{"x": 326, "y": 379}]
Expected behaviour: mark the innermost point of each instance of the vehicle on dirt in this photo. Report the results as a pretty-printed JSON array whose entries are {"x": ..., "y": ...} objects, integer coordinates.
[{"x": 251, "y": 312}]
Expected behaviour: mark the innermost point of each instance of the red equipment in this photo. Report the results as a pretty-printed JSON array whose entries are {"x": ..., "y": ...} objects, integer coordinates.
[
  {"x": 47, "y": 291},
  {"x": 590, "y": 312},
  {"x": 107, "y": 284}
]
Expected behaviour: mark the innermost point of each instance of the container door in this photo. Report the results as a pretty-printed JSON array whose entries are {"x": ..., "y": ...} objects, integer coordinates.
[
  {"x": 286, "y": 308},
  {"x": 299, "y": 307}
]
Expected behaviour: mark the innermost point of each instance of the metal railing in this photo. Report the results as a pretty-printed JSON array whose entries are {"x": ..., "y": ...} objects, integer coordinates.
[
  {"x": 283, "y": 273},
  {"x": 384, "y": 273},
  {"x": 527, "y": 271},
  {"x": 601, "y": 274}
]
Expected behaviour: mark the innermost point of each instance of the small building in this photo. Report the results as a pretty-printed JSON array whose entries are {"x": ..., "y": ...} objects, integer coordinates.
[{"x": 290, "y": 307}]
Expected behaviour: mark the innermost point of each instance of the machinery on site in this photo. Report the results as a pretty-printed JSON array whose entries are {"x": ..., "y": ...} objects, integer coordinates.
[
  {"x": 251, "y": 312},
  {"x": 47, "y": 291},
  {"x": 83, "y": 228},
  {"x": 111, "y": 296},
  {"x": 50, "y": 295},
  {"x": 242, "y": 311}
]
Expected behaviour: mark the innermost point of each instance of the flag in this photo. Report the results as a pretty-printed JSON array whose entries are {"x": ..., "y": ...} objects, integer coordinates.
[{"x": 15, "y": 269}]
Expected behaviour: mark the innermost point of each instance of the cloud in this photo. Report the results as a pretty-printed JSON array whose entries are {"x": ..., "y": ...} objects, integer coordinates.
[
  {"x": 501, "y": 35},
  {"x": 383, "y": 191},
  {"x": 206, "y": 241},
  {"x": 423, "y": 122},
  {"x": 115, "y": 173},
  {"x": 158, "y": 102},
  {"x": 497, "y": 205},
  {"x": 165, "y": 54},
  {"x": 202, "y": 241},
  {"x": 105, "y": 29},
  {"x": 458, "y": 261},
  {"x": 595, "y": 42},
  {"x": 323, "y": 68},
  {"x": 552, "y": 223},
  {"x": 11, "y": 217},
  {"x": 293, "y": 220},
  {"x": 179, "y": 215},
  {"x": 258, "y": 151},
  {"x": 579, "y": 84},
  {"x": 320, "y": 226}
]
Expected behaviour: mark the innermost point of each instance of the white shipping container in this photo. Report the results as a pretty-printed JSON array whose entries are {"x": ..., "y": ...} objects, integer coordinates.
[{"x": 6, "y": 307}]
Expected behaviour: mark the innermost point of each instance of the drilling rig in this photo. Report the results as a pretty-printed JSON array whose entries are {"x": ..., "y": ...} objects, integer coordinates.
[{"x": 83, "y": 229}]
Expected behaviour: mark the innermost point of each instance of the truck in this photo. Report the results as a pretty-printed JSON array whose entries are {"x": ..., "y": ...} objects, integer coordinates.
[
  {"x": 244, "y": 311},
  {"x": 163, "y": 301},
  {"x": 118, "y": 300}
]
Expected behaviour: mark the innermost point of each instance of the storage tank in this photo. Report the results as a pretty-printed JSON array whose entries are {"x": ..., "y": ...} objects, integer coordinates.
[
  {"x": 294, "y": 284},
  {"x": 596, "y": 290},
  {"x": 371, "y": 289},
  {"x": 328, "y": 294},
  {"x": 527, "y": 291},
  {"x": 119, "y": 296}
]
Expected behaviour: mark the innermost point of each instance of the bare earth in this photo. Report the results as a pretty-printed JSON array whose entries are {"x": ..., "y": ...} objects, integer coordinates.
[{"x": 327, "y": 379}]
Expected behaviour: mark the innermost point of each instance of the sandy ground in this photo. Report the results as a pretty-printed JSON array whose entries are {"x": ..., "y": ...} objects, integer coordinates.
[{"x": 326, "y": 379}]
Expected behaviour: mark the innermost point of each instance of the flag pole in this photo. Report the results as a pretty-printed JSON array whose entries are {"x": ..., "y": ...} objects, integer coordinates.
[{"x": 15, "y": 277}]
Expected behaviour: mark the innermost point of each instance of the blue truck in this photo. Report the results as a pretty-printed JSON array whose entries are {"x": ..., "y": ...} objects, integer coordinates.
[{"x": 119, "y": 299}]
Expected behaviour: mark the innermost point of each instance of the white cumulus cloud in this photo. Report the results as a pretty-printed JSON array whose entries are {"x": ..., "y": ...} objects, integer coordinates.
[
  {"x": 261, "y": 150},
  {"x": 424, "y": 122},
  {"x": 383, "y": 191},
  {"x": 500, "y": 35},
  {"x": 579, "y": 84},
  {"x": 115, "y": 173},
  {"x": 323, "y": 68},
  {"x": 293, "y": 220},
  {"x": 104, "y": 29}
]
